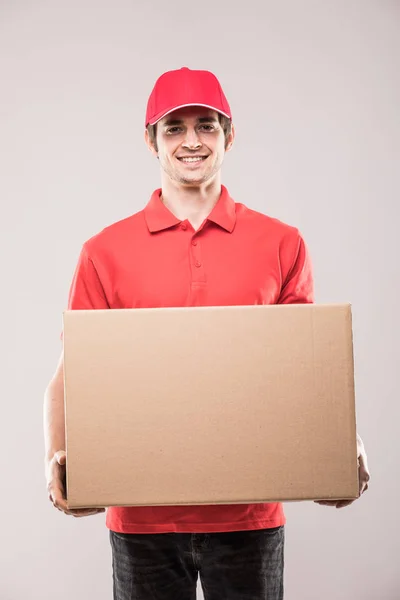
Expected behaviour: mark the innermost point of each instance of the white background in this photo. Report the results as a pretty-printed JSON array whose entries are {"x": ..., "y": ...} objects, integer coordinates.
[{"x": 315, "y": 92}]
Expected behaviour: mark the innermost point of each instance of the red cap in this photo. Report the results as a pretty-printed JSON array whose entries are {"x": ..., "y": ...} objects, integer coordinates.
[{"x": 185, "y": 87}]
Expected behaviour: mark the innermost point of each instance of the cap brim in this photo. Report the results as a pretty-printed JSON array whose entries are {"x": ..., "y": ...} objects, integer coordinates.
[{"x": 165, "y": 113}]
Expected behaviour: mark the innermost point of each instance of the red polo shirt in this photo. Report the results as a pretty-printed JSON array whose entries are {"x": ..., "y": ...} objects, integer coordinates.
[{"x": 152, "y": 259}]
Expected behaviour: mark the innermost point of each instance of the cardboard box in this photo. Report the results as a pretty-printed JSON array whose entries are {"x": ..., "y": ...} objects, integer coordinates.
[{"x": 209, "y": 405}]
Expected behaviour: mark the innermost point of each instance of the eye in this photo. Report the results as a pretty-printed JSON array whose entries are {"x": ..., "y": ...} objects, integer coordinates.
[
  {"x": 207, "y": 127},
  {"x": 174, "y": 130}
]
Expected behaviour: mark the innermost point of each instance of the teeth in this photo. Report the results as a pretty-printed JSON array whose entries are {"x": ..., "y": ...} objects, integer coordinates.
[{"x": 192, "y": 159}]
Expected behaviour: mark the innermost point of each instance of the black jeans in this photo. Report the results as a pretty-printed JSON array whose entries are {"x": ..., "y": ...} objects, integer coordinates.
[{"x": 244, "y": 565}]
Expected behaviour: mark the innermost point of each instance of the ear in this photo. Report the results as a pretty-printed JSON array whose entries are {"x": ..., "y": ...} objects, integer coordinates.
[
  {"x": 230, "y": 140},
  {"x": 149, "y": 144}
]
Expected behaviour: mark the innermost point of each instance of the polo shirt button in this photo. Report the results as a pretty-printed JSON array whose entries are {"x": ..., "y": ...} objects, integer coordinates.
[
  {"x": 194, "y": 242},
  {"x": 183, "y": 226},
  {"x": 198, "y": 263}
]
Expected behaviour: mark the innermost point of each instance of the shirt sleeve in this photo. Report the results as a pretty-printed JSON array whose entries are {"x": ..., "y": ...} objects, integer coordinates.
[
  {"x": 86, "y": 291},
  {"x": 298, "y": 285}
]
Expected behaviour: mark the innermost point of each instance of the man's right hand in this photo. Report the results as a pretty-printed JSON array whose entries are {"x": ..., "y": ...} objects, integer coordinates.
[{"x": 55, "y": 476}]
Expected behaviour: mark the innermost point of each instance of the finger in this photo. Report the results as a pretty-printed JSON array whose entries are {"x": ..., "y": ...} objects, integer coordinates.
[
  {"x": 87, "y": 509},
  {"x": 363, "y": 467},
  {"x": 60, "y": 457},
  {"x": 335, "y": 503},
  {"x": 364, "y": 475},
  {"x": 56, "y": 480},
  {"x": 57, "y": 495},
  {"x": 57, "y": 492},
  {"x": 61, "y": 505},
  {"x": 363, "y": 482},
  {"x": 362, "y": 458},
  {"x": 86, "y": 513},
  {"x": 344, "y": 503}
]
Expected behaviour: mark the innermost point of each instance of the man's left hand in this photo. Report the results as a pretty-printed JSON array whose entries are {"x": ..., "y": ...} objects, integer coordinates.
[{"x": 363, "y": 478}]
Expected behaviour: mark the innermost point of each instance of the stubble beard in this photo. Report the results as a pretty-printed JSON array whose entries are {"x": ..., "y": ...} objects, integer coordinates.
[{"x": 175, "y": 175}]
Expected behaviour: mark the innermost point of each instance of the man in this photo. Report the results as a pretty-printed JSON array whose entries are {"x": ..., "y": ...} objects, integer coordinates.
[{"x": 191, "y": 245}]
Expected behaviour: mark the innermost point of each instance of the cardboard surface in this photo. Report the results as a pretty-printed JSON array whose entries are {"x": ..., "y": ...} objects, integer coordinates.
[{"x": 209, "y": 405}]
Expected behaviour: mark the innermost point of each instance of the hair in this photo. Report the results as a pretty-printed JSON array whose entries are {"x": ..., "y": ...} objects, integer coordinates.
[{"x": 224, "y": 121}]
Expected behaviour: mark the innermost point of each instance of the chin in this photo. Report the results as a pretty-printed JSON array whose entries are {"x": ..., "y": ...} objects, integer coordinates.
[{"x": 191, "y": 181}]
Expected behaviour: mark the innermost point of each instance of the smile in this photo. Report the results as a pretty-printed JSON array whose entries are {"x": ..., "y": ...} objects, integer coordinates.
[{"x": 192, "y": 159}]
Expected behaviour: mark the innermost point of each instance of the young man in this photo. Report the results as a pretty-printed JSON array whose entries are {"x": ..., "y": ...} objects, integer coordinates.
[{"x": 191, "y": 245}]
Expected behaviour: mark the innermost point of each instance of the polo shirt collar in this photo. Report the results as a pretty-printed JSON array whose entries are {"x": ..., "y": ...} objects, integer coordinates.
[{"x": 159, "y": 217}]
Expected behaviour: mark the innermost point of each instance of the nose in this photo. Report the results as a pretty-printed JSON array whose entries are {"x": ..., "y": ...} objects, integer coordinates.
[{"x": 191, "y": 140}]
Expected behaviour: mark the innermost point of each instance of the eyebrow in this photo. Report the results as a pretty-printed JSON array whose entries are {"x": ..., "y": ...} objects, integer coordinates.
[{"x": 172, "y": 122}]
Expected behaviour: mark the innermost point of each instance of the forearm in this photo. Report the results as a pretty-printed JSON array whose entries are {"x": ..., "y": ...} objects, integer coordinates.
[{"x": 53, "y": 416}]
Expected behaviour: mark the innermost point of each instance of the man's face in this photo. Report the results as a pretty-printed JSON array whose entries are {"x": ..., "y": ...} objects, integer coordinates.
[{"x": 191, "y": 145}]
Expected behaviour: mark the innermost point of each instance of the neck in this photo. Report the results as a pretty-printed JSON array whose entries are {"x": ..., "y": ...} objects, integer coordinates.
[{"x": 193, "y": 203}]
